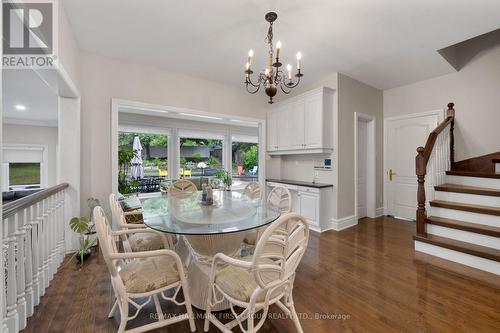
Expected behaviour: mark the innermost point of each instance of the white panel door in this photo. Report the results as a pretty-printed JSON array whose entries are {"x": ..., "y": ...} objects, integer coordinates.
[
  {"x": 362, "y": 167},
  {"x": 404, "y": 135},
  {"x": 313, "y": 121},
  {"x": 309, "y": 206},
  {"x": 296, "y": 121},
  {"x": 272, "y": 131}
]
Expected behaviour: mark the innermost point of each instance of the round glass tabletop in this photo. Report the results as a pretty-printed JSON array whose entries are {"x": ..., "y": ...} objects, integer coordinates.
[{"x": 186, "y": 215}]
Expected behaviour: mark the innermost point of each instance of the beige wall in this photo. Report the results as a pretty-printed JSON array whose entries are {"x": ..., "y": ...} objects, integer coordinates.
[
  {"x": 355, "y": 96},
  {"x": 104, "y": 78},
  {"x": 35, "y": 135},
  {"x": 68, "y": 49},
  {"x": 475, "y": 90}
]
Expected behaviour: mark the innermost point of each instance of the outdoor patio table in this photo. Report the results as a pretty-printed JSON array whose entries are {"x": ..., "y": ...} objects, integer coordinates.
[{"x": 207, "y": 230}]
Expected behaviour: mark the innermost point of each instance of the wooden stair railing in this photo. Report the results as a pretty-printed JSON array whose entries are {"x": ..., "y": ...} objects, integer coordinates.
[{"x": 422, "y": 160}]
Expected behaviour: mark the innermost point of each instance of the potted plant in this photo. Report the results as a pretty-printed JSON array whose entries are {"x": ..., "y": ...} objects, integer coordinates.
[
  {"x": 225, "y": 177},
  {"x": 84, "y": 226}
]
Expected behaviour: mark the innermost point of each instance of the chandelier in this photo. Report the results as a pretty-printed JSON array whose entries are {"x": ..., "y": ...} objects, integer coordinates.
[{"x": 272, "y": 76}]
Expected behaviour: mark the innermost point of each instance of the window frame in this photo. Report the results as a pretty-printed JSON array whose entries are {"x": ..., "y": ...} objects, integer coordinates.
[{"x": 20, "y": 149}]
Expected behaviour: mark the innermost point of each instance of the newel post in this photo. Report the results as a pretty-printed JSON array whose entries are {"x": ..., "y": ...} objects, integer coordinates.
[
  {"x": 421, "y": 170},
  {"x": 451, "y": 113}
]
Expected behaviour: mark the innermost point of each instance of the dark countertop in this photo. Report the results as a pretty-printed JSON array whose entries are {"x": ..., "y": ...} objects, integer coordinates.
[{"x": 299, "y": 183}]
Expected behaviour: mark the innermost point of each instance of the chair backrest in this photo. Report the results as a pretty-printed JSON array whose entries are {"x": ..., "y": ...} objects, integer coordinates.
[
  {"x": 117, "y": 211},
  {"x": 252, "y": 190},
  {"x": 182, "y": 186},
  {"x": 280, "y": 198},
  {"x": 106, "y": 241},
  {"x": 279, "y": 250}
]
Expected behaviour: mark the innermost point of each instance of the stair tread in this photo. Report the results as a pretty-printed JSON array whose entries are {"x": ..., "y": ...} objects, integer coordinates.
[
  {"x": 474, "y": 174},
  {"x": 465, "y": 226},
  {"x": 448, "y": 187},
  {"x": 489, "y": 210},
  {"x": 453, "y": 244}
]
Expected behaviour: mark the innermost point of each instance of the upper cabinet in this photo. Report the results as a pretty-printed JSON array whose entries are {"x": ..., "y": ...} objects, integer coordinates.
[{"x": 302, "y": 124}]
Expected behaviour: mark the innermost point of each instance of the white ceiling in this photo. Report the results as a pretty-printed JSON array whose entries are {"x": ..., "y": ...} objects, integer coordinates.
[
  {"x": 385, "y": 43},
  {"x": 25, "y": 87}
]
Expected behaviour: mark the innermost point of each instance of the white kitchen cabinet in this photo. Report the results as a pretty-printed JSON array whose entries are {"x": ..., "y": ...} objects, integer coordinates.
[
  {"x": 272, "y": 136},
  {"x": 313, "y": 127},
  {"x": 309, "y": 206},
  {"x": 296, "y": 125},
  {"x": 302, "y": 124},
  {"x": 315, "y": 204},
  {"x": 283, "y": 125}
]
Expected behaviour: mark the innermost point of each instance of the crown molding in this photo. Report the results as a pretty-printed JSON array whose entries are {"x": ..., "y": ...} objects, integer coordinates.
[{"x": 30, "y": 122}]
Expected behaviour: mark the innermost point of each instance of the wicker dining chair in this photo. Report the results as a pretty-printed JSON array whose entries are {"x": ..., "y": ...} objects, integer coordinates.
[
  {"x": 144, "y": 276},
  {"x": 264, "y": 279},
  {"x": 137, "y": 241},
  {"x": 182, "y": 186},
  {"x": 252, "y": 190},
  {"x": 281, "y": 199}
]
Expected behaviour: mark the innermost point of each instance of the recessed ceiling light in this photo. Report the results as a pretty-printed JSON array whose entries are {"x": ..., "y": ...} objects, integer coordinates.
[{"x": 20, "y": 107}]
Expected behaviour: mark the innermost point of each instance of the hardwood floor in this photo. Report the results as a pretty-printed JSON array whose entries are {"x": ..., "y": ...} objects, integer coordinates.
[{"x": 366, "y": 275}]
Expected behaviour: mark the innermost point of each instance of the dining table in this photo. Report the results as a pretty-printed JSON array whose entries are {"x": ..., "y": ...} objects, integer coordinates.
[{"x": 203, "y": 230}]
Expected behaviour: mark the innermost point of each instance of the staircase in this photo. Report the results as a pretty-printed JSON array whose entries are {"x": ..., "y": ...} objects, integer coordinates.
[{"x": 461, "y": 220}]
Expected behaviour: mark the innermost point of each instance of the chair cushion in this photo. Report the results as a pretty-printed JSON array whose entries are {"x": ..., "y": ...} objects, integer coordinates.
[
  {"x": 239, "y": 283},
  {"x": 145, "y": 242},
  {"x": 130, "y": 203},
  {"x": 144, "y": 275}
]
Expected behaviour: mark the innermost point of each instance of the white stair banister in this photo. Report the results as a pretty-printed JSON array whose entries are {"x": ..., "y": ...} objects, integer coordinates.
[{"x": 34, "y": 247}]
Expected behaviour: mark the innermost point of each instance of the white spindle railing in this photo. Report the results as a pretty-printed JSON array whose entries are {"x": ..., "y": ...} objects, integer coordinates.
[
  {"x": 34, "y": 248},
  {"x": 438, "y": 164}
]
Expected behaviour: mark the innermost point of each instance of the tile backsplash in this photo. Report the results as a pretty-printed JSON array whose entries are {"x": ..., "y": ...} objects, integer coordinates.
[{"x": 300, "y": 167}]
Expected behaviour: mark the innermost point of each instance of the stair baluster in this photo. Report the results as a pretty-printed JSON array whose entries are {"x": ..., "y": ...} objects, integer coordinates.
[{"x": 434, "y": 162}]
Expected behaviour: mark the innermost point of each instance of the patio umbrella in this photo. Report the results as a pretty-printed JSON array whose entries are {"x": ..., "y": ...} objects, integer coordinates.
[{"x": 137, "y": 169}]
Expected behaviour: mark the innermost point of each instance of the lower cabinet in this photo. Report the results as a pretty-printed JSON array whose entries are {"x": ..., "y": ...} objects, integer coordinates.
[
  {"x": 309, "y": 206},
  {"x": 311, "y": 202}
]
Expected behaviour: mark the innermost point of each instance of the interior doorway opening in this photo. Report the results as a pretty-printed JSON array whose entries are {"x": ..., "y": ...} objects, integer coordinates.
[{"x": 365, "y": 164}]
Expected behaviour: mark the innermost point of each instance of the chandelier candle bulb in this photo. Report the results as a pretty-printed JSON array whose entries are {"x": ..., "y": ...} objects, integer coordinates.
[
  {"x": 250, "y": 56},
  {"x": 278, "y": 49},
  {"x": 299, "y": 56},
  {"x": 289, "y": 69}
]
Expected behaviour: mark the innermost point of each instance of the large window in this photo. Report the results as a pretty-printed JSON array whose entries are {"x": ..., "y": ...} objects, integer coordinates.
[
  {"x": 200, "y": 157},
  {"x": 24, "y": 174},
  {"x": 245, "y": 159},
  {"x": 198, "y": 152}
]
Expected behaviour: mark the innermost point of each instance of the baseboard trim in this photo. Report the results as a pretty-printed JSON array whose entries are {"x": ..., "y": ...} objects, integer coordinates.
[
  {"x": 344, "y": 223},
  {"x": 379, "y": 212}
]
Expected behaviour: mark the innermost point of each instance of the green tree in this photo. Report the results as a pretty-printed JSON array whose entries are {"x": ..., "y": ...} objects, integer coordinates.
[
  {"x": 251, "y": 157},
  {"x": 126, "y": 140},
  {"x": 196, "y": 156}
]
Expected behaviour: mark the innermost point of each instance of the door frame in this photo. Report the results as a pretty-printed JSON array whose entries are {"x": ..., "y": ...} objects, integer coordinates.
[
  {"x": 440, "y": 113},
  {"x": 371, "y": 158}
]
